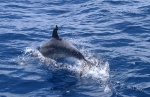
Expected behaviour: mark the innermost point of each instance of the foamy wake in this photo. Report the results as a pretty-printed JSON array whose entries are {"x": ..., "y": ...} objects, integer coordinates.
[{"x": 98, "y": 72}]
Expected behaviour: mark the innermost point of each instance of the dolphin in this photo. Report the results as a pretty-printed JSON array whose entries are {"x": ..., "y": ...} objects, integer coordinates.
[{"x": 57, "y": 48}]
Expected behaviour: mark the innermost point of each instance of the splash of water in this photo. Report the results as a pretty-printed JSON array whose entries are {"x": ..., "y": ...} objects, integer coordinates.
[{"x": 99, "y": 72}]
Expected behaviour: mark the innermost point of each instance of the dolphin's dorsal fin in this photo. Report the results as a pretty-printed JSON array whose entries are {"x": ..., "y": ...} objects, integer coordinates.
[{"x": 55, "y": 34}]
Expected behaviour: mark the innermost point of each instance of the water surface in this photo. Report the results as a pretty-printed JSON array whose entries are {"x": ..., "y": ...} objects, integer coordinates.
[{"x": 113, "y": 34}]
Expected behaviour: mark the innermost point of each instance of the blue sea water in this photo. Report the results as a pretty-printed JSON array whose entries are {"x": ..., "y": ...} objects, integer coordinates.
[{"x": 113, "y": 34}]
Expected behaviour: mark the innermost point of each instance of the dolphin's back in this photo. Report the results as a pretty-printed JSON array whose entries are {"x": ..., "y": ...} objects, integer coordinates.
[{"x": 59, "y": 48}]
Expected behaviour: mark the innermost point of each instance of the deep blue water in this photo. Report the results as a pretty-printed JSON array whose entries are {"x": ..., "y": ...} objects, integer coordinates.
[{"x": 113, "y": 34}]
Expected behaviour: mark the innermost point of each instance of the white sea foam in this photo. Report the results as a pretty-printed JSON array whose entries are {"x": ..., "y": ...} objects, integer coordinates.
[{"x": 99, "y": 72}]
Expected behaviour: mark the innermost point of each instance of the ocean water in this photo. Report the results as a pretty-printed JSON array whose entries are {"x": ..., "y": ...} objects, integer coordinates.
[{"x": 112, "y": 34}]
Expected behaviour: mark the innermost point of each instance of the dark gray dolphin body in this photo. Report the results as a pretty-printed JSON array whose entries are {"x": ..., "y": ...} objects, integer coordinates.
[{"x": 57, "y": 48}]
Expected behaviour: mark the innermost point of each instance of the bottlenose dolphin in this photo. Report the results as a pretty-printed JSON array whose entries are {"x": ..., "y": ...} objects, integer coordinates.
[{"x": 57, "y": 48}]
